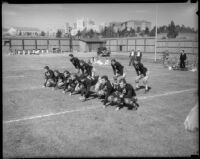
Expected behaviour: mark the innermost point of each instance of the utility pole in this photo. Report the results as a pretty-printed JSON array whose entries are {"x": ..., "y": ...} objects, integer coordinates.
[
  {"x": 156, "y": 35},
  {"x": 70, "y": 40}
]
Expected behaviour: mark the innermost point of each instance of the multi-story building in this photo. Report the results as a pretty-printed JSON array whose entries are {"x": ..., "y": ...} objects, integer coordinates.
[
  {"x": 134, "y": 24},
  {"x": 25, "y": 31}
]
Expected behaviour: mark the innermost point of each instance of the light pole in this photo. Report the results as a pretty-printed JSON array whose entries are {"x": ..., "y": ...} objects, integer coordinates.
[
  {"x": 156, "y": 35},
  {"x": 70, "y": 40}
]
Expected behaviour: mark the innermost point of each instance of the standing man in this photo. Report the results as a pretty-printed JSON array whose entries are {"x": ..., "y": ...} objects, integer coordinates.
[
  {"x": 138, "y": 55},
  {"x": 183, "y": 58},
  {"x": 118, "y": 69},
  {"x": 132, "y": 57},
  {"x": 75, "y": 61}
]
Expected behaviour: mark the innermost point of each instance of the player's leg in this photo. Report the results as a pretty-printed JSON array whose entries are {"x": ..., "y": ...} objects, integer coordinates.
[
  {"x": 137, "y": 81},
  {"x": 145, "y": 81},
  {"x": 118, "y": 102},
  {"x": 131, "y": 103}
]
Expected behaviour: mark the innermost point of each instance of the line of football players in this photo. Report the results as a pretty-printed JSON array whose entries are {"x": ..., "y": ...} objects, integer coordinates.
[{"x": 87, "y": 84}]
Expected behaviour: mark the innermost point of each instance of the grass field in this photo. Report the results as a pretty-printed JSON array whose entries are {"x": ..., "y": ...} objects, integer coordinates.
[{"x": 39, "y": 122}]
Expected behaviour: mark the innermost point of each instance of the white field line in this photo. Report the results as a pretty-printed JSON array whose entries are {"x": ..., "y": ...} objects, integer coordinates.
[
  {"x": 14, "y": 76},
  {"x": 21, "y": 89},
  {"x": 167, "y": 93},
  {"x": 92, "y": 107},
  {"x": 51, "y": 114}
]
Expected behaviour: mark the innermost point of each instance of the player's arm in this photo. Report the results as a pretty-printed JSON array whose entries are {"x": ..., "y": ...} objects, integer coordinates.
[
  {"x": 114, "y": 70},
  {"x": 109, "y": 91},
  {"x": 129, "y": 93}
]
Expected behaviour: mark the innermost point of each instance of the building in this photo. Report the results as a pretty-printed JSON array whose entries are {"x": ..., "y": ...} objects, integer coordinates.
[
  {"x": 25, "y": 31},
  {"x": 90, "y": 45},
  {"x": 135, "y": 24},
  {"x": 131, "y": 24}
]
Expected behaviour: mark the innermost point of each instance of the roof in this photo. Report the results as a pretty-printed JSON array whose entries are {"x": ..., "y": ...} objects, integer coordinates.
[
  {"x": 27, "y": 28},
  {"x": 90, "y": 40}
]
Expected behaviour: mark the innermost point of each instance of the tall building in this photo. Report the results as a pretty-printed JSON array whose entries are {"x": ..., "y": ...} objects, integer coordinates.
[{"x": 134, "y": 24}]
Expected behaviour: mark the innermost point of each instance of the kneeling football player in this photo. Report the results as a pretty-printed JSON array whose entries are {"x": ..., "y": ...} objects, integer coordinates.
[
  {"x": 126, "y": 95},
  {"x": 49, "y": 78},
  {"x": 66, "y": 80},
  {"x": 105, "y": 89},
  {"x": 59, "y": 79}
]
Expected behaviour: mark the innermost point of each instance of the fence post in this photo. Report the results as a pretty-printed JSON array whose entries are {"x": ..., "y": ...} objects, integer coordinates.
[
  {"x": 36, "y": 44},
  {"x": 127, "y": 45},
  {"x": 135, "y": 44},
  {"x": 117, "y": 49},
  {"x": 10, "y": 43},
  {"x": 144, "y": 44},
  {"x": 48, "y": 44},
  {"x": 23, "y": 44},
  {"x": 59, "y": 44}
]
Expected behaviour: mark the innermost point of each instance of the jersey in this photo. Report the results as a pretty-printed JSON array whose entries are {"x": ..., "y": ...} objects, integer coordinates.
[
  {"x": 128, "y": 91},
  {"x": 49, "y": 74},
  {"x": 140, "y": 69},
  {"x": 75, "y": 61},
  {"x": 117, "y": 68}
]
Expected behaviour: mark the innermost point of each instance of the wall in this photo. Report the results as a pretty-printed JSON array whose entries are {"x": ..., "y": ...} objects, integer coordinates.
[
  {"x": 42, "y": 43},
  {"x": 147, "y": 45}
]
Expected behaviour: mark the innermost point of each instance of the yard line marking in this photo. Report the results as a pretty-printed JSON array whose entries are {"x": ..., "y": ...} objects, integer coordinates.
[
  {"x": 51, "y": 114},
  {"x": 22, "y": 89},
  {"x": 168, "y": 93},
  {"x": 93, "y": 107},
  {"x": 13, "y": 76}
]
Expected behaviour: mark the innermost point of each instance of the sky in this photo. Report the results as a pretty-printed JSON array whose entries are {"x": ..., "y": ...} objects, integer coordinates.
[{"x": 44, "y": 15}]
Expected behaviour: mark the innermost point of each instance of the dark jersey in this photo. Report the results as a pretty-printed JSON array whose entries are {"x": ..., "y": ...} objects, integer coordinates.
[
  {"x": 183, "y": 57},
  {"x": 138, "y": 56},
  {"x": 140, "y": 69},
  {"x": 60, "y": 77},
  {"x": 108, "y": 89},
  {"x": 86, "y": 69},
  {"x": 117, "y": 68},
  {"x": 49, "y": 74},
  {"x": 75, "y": 62},
  {"x": 73, "y": 83},
  {"x": 86, "y": 84},
  {"x": 128, "y": 91}
]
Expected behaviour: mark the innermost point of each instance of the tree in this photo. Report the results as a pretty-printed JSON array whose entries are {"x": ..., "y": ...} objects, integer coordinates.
[
  {"x": 42, "y": 33},
  {"x": 138, "y": 29},
  {"x": 132, "y": 32},
  {"x": 153, "y": 31},
  {"x": 91, "y": 33},
  {"x": 172, "y": 32},
  {"x": 59, "y": 34},
  {"x": 78, "y": 34},
  {"x": 146, "y": 31}
]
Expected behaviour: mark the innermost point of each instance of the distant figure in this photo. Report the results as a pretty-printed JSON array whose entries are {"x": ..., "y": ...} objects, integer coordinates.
[
  {"x": 183, "y": 58},
  {"x": 139, "y": 55},
  {"x": 132, "y": 57},
  {"x": 192, "y": 121}
]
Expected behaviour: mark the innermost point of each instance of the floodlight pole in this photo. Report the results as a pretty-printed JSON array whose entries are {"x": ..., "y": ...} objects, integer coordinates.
[{"x": 156, "y": 35}]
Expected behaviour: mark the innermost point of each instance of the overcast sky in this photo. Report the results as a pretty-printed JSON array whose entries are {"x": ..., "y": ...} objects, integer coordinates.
[{"x": 43, "y": 15}]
